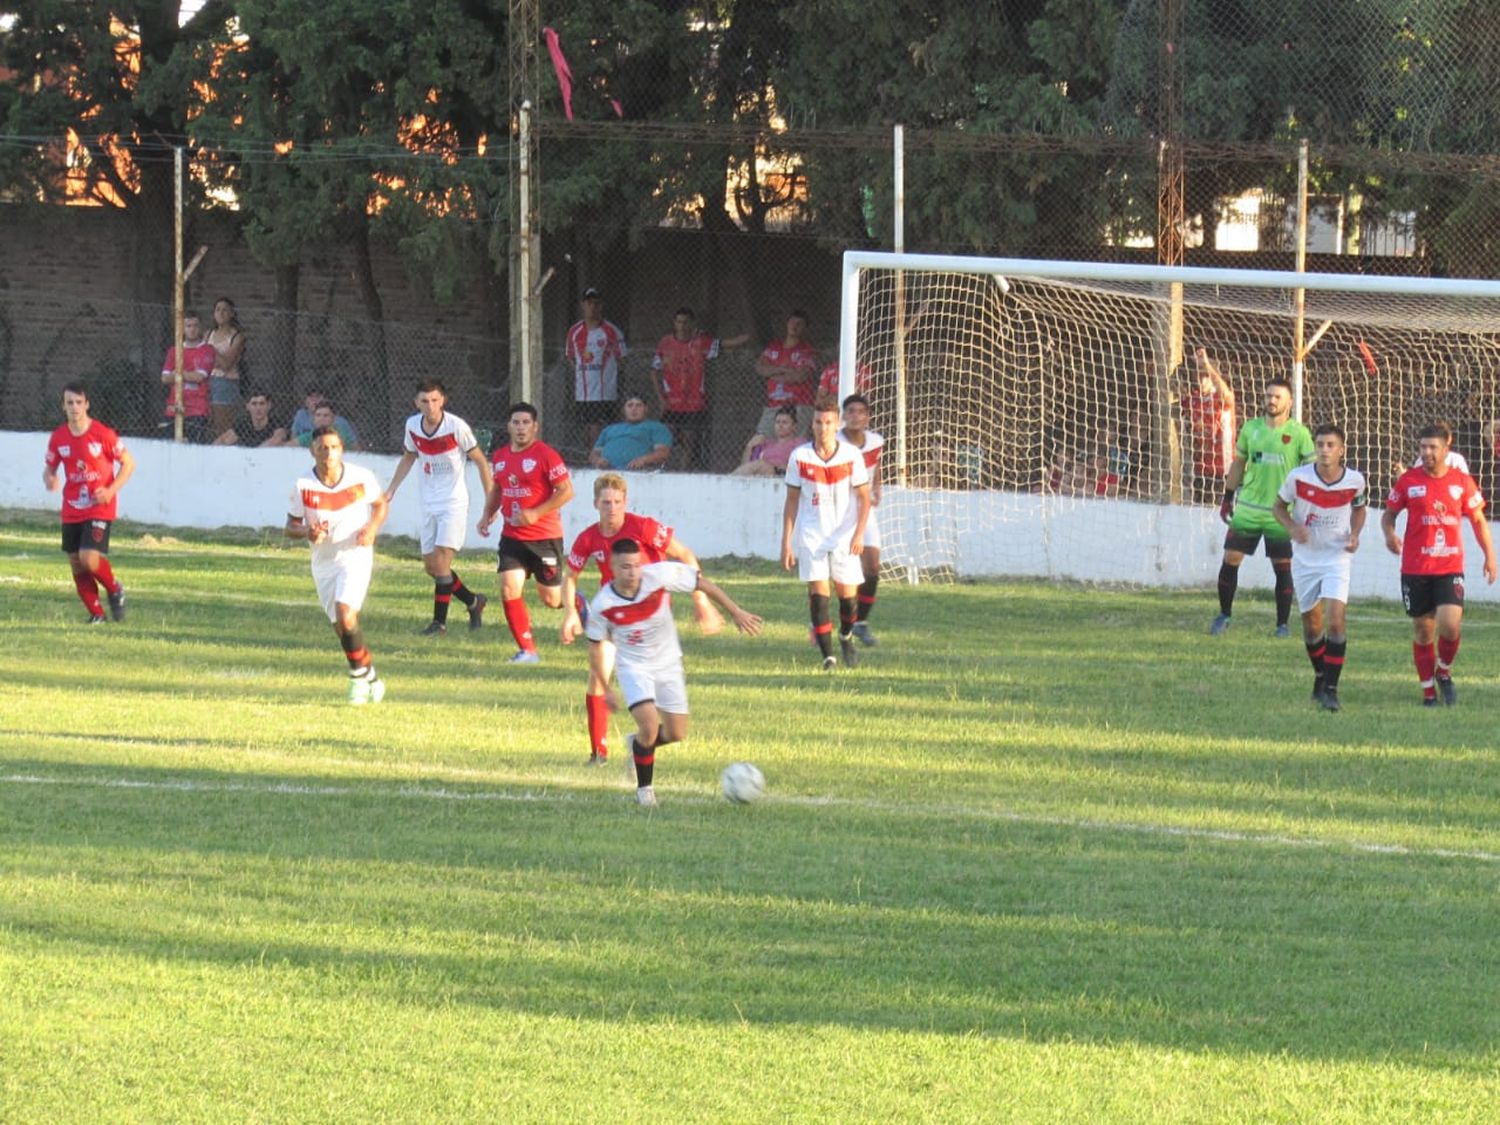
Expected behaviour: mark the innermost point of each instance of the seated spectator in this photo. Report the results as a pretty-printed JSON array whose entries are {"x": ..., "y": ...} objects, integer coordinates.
[
  {"x": 636, "y": 443},
  {"x": 324, "y": 415},
  {"x": 198, "y": 357},
  {"x": 257, "y": 429},
  {"x": 767, "y": 457},
  {"x": 302, "y": 423}
]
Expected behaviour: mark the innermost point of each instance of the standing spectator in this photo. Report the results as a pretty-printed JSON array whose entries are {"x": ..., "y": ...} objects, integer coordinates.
[
  {"x": 1209, "y": 411},
  {"x": 828, "y": 381},
  {"x": 767, "y": 457},
  {"x": 595, "y": 348},
  {"x": 198, "y": 357},
  {"x": 636, "y": 443},
  {"x": 228, "y": 341},
  {"x": 790, "y": 368},
  {"x": 679, "y": 370},
  {"x": 324, "y": 415},
  {"x": 88, "y": 452},
  {"x": 257, "y": 429}
]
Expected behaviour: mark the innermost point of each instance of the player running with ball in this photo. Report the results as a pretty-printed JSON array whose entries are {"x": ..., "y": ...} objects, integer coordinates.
[
  {"x": 634, "y": 611},
  {"x": 1322, "y": 507}
]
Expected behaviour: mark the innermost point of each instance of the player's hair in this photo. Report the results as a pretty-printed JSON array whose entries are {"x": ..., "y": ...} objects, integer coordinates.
[
  {"x": 609, "y": 480},
  {"x": 76, "y": 387},
  {"x": 686, "y": 311},
  {"x": 324, "y": 431},
  {"x": 1279, "y": 382},
  {"x": 426, "y": 386},
  {"x": 625, "y": 547},
  {"x": 522, "y": 408},
  {"x": 856, "y": 398},
  {"x": 1436, "y": 429},
  {"x": 825, "y": 403},
  {"x": 1331, "y": 428}
]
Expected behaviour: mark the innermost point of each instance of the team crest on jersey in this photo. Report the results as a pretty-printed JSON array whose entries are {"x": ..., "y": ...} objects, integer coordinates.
[
  {"x": 527, "y": 464},
  {"x": 95, "y": 448},
  {"x": 65, "y": 451},
  {"x": 1455, "y": 490}
]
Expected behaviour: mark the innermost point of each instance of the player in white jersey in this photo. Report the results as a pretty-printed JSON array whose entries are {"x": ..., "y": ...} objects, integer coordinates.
[
  {"x": 338, "y": 508},
  {"x": 1323, "y": 507},
  {"x": 823, "y": 527},
  {"x": 634, "y": 611},
  {"x": 442, "y": 442},
  {"x": 870, "y": 444}
]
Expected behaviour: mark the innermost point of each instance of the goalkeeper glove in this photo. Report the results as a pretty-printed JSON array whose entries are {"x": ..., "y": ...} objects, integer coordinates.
[{"x": 1226, "y": 505}]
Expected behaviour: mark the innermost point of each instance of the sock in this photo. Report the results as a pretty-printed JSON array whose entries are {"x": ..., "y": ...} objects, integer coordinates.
[
  {"x": 1283, "y": 574},
  {"x": 1333, "y": 663},
  {"x": 1446, "y": 651},
  {"x": 520, "y": 623},
  {"x": 867, "y": 590},
  {"x": 105, "y": 575},
  {"x": 357, "y": 655},
  {"x": 597, "y": 709},
  {"x": 442, "y": 594},
  {"x": 460, "y": 591},
  {"x": 1229, "y": 582},
  {"x": 847, "y": 611},
  {"x": 645, "y": 763},
  {"x": 88, "y": 592},
  {"x": 1426, "y": 661},
  {"x": 822, "y": 627},
  {"x": 1317, "y": 652}
]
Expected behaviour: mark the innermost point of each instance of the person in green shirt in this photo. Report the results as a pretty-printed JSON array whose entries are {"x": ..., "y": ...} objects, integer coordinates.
[{"x": 1268, "y": 448}]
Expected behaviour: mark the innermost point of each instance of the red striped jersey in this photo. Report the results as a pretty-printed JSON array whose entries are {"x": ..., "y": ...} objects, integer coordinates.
[
  {"x": 595, "y": 353},
  {"x": 344, "y": 506},
  {"x": 826, "y": 507},
  {"x": 592, "y": 543},
  {"x": 1325, "y": 509},
  {"x": 873, "y": 447},
  {"x": 86, "y": 462},
  {"x": 1435, "y": 509},
  {"x": 440, "y": 460},
  {"x": 641, "y": 627}
]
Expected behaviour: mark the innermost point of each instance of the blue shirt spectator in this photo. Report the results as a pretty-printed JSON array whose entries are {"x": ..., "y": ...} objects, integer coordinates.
[
  {"x": 323, "y": 415},
  {"x": 636, "y": 443}
]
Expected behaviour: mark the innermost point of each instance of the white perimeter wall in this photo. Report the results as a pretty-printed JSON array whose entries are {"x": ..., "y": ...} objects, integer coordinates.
[{"x": 1022, "y": 535}]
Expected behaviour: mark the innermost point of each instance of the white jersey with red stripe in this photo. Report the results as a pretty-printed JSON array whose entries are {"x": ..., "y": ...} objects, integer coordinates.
[
  {"x": 826, "y": 506},
  {"x": 641, "y": 627},
  {"x": 595, "y": 354},
  {"x": 441, "y": 456},
  {"x": 1325, "y": 509},
  {"x": 343, "y": 506},
  {"x": 873, "y": 447}
]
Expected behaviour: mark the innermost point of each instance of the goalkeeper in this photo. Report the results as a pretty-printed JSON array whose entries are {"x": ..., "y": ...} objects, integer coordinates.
[{"x": 1268, "y": 448}]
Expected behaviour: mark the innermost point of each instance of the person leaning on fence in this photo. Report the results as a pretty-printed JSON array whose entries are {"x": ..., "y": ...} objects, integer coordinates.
[
  {"x": 790, "y": 367},
  {"x": 302, "y": 423},
  {"x": 679, "y": 370},
  {"x": 228, "y": 341},
  {"x": 324, "y": 415},
  {"x": 257, "y": 429},
  {"x": 767, "y": 457},
  {"x": 636, "y": 443},
  {"x": 197, "y": 363},
  {"x": 595, "y": 348}
]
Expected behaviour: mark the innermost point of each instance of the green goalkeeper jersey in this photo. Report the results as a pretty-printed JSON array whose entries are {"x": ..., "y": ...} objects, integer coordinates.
[{"x": 1270, "y": 453}]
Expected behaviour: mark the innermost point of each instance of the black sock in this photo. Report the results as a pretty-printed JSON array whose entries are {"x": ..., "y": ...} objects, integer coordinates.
[
  {"x": 1333, "y": 663},
  {"x": 867, "y": 590},
  {"x": 822, "y": 627},
  {"x": 1283, "y": 573},
  {"x": 1229, "y": 582},
  {"x": 442, "y": 594},
  {"x": 847, "y": 611},
  {"x": 462, "y": 592},
  {"x": 1316, "y": 653},
  {"x": 645, "y": 763}
]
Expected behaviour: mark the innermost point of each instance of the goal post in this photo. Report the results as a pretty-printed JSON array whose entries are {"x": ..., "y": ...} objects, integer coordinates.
[{"x": 1037, "y": 424}]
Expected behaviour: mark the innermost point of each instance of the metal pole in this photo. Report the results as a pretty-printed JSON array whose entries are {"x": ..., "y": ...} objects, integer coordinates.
[
  {"x": 524, "y": 265},
  {"x": 179, "y": 292},
  {"x": 1299, "y": 350},
  {"x": 898, "y": 244}
]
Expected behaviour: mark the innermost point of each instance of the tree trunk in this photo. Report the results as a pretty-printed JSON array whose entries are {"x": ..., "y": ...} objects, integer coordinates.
[
  {"x": 283, "y": 342},
  {"x": 377, "y": 400}
]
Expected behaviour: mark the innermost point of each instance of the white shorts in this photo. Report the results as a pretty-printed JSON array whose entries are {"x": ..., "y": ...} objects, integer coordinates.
[
  {"x": 665, "y": 686},
  {"x": 845, "y": 569},
  {"x": 444, "y": 529},
  {"x": 346, "y": 580},
  {"x": 1316, "y": 581},
  {"x": 872, "y": 531}
]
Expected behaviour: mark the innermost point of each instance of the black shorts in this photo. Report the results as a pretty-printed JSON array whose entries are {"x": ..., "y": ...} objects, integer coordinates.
[
  {"x": 1421, "y": 594},
  {"x": 90, "y": 535},
  {"x": 540, "y": 558},
  {"x": 1247, "y": 541},
  {"x": 597, "y": 413}
]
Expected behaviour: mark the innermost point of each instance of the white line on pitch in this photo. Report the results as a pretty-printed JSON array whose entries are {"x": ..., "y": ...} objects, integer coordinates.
[{"x": 433, "y": 793}]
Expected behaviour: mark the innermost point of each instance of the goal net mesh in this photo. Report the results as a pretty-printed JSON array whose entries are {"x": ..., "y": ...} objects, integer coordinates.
[{"x": 1044, "y": 427}]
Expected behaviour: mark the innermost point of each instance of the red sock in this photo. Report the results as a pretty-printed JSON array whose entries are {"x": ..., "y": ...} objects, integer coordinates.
[
  {"x": 1446, "y": 651},
  {"x": 520, "y": 623},
  {"x": 106, "y": 576},
  {"x": 1425, "y": 660},
  {"x": 88, "y": 592},
  {"x": 598, "y": 712}
]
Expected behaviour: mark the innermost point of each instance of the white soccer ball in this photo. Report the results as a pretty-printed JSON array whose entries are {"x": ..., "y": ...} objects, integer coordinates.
[{"x": 742, "y": 783}]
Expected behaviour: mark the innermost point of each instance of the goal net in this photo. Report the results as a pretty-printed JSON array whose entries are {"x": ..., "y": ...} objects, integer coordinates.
[{"x": 1057, "y": 419}]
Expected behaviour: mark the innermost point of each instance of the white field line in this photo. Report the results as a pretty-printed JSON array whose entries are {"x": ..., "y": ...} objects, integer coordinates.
[{"x": 437, "y": 793}]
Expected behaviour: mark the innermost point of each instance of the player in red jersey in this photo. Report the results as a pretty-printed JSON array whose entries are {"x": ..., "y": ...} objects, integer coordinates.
[
  {"x": 871, "y": 445},
  {"x": 443, "y": 442},
  {"x": 1435, "y": 497},
  {"x": 81, "y": 460},
  {"x": 595, "y": 542},
  {"x": 532, "y": 484}
]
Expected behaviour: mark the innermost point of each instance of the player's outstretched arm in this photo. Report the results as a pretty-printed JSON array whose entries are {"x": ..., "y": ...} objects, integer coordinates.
[
  {"x": 747, "y": 623},
  {"x": 708, "y": 618},
  {"x": 403, "y": 467}
]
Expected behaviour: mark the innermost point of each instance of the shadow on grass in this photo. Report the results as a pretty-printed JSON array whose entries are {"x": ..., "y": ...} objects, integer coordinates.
[{"x": 574, "y": 904}]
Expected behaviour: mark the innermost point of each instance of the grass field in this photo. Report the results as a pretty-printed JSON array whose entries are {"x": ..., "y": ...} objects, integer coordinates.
[{"x": 1051, "y": 854}]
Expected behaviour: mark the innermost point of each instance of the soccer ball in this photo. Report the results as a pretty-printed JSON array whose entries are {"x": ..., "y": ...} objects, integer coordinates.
[{"x": 742, "y": 783}]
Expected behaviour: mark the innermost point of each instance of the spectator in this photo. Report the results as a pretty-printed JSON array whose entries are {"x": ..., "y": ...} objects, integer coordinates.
[
  {"x": 636, "y": 443},
  {"x": 257, "y": 430},
  {"x": 790, "y": 368},
  {"x": 767, "y": 457},
  {"x": 595, "y": 348},
  {"x": 828, "y": 381},
  {"x": 679, "y": 371},
  {"x": 1474, "y": 437},
  {"x": 228, "y": 341},
  {"x": 324, "y": 415},
  {"x": 1209, "y": 412},
  {"x": 197, "y": 363},
  {"x": 302, "y": 423}
]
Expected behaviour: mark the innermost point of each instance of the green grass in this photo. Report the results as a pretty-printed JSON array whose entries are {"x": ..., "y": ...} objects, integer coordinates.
[{"x": 1051, "y": 854}]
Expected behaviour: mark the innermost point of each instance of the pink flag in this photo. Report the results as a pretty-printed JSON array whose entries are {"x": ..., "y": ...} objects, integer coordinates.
[{"x": 561, "y": 69}]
